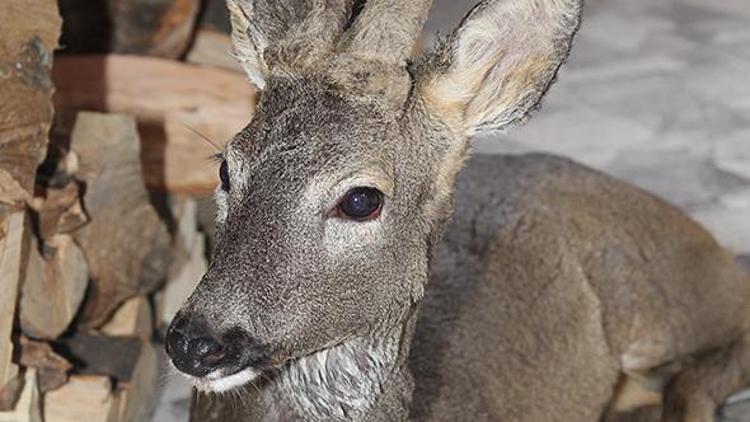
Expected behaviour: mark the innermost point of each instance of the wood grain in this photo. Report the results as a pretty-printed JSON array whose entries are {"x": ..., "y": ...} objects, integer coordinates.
[{"x": 26, "y": 47}]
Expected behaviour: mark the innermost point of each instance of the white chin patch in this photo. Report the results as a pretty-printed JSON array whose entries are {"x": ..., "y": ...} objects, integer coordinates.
[{"x": 222, "y": 384}]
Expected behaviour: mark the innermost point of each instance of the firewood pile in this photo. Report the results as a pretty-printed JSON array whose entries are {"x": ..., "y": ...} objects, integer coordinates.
[{"x": 110, "y": 113}]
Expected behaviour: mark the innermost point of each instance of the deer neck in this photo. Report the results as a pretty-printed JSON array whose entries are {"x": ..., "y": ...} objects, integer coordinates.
[{"x": 359, "y": 379}]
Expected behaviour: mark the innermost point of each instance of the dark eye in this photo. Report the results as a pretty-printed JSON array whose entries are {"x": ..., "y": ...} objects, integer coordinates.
[
  {"x": 224, "y": 176},
  {"x": 361, "y": 204}
]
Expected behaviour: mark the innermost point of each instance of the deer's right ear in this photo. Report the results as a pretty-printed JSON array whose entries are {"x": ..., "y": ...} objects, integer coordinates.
[
  {"x": 296, "y": 29},
  {"x": 499, "y": 63}
]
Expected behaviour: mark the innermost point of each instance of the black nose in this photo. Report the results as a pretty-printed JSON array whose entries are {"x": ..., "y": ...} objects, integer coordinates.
[{"x": 192, "y": 346}]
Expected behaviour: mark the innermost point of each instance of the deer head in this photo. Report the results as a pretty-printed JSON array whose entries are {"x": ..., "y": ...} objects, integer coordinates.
[{"x": 333, "y": 196}]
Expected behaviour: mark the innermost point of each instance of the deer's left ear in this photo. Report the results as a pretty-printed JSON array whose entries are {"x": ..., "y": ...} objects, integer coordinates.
[
  {"x": 265, "y": 32},
  {"x": 499, "y": 63}
]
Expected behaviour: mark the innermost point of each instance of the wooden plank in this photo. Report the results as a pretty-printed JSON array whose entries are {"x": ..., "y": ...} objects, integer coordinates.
[
  {"x": 126, "y": 244},
  {"x": 172, "y": 101},
  {"x": 11, "y": 250},
  {"x": 26, "y": 47}
]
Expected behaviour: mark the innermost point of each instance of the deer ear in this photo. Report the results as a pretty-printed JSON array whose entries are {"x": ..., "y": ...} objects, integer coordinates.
[
  {"x": 499, "y": 63},
  {"x": 301, "y": 28},
  {"x": 249, "y": 40}
]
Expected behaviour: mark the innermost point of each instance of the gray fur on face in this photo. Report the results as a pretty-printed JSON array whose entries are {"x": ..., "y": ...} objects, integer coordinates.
[{"x": 279, "y": 249}]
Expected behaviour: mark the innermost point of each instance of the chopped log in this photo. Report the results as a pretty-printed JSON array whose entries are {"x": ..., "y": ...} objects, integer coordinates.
[
  {"x": 185, "y": 212},
  {"x": 28, "y": 406},
  {"x": 153, "y": 27},
  {"x": 132, "y": 319},
  {"x": 138, "y": 395},
  {"x": 52, "y": 369},
  {"x": 86, "y": 398},
  {"x": 212, "y": 48},
  {"x": 60, "y": 211},
  {"x": 10, "y": 393},
  {"x": 175, "y": 104},
  {"x": 53, "y": 287},
  {"x": 11, "y": 251},
  {"x": 144, "y": 27},
  {"x": 26, "y": 47},
  {"x": 126, "y": 244},
  {"x": 131, "y": 362},
  {"x": 95, "y": 354},
  {"x": 207, "y": 221},
  {"x": 182, "y": 285}
]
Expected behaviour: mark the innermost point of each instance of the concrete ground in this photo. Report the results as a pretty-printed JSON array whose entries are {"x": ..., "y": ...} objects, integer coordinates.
[{"x": 656, "y": 93}]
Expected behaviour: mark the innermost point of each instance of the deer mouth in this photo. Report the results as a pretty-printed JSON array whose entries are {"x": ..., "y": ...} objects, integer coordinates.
[
  {"x": 224, "y": 379},
  {"x": 233, "y": 375},
  {"x": 217, "y": 382}
]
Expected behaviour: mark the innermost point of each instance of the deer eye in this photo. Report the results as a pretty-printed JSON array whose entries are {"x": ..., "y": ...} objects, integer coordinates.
[
  {"x": 224, "y": 175},
  {"x": 360, "y": 204}
]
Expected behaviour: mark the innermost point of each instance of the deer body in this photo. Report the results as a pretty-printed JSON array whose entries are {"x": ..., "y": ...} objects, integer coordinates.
[
  {"x": 330, "y": 295},
  {"x": 548, "y": 288},
  {"x": 589, "y": 281}
]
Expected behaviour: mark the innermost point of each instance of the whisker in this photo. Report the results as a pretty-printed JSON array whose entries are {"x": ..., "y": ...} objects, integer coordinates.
[
  {"x": 216, "y": 158},
  {"x": 204, "y": 137}
]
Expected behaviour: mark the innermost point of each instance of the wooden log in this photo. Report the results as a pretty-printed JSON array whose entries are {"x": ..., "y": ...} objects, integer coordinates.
[
  {"x": 185, "y": 212},
  {"x": 207, "y": 221},
  {"x": 52, "y": 369},
  {"x": 85, "y": 398},
  {"x": 26, "y": 47},
  {"x": 132, "y": 319},
  {"x": 131, "y": 363},
  {"x": 28, "y": 406},
  {"x": 183, "y": 283},
  {"x": 10, "y": 393},
  {"x": 96, "y": 354},
  {"x": 11, "y": 252},
  {"x": 126, "y": 244},
  {"x": 213, "y": 48},
  {"x": 60, "y": 210},
  {"x": 144, "y": 27},
  {"x": 165, "y": 31},
  {"x": 172, "y": 102},
  {"x": 138, "y": 395},
  {"x": 53, "y": 287}
]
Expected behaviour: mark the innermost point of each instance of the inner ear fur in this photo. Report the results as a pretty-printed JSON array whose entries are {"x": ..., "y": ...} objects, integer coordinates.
[{"x": 495, "y": 68}]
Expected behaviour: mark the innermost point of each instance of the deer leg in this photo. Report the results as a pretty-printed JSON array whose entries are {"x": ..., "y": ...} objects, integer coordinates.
[{"x": 695, "y": 394}]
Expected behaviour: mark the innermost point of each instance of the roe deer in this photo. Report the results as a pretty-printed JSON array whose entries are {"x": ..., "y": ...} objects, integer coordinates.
[{"x": 557, "y": 293}]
